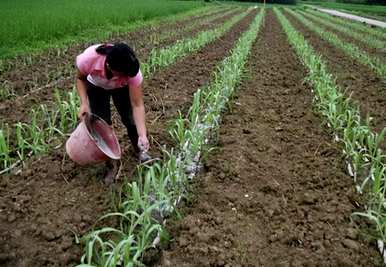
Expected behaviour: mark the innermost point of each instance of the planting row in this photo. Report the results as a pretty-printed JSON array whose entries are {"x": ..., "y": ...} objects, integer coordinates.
[
  {"x": 64, "y": 198},
  {"x": 274, "y": 192},
  {"x": 360, "y": 145},
  {"x": 46, "y": 123},
  {"x": 25, "y": 78},
  {"x": 158, "y": 189},
  {"x": 350, "y": 49},
  {"x": 353, "y": 25},
  {"x": 367, "y": 39},
  {"x": 18, "y": 109},
  {"x": 362, "y": 85}
]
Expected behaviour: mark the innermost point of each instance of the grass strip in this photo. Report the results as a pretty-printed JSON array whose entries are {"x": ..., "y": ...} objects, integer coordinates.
[
  {"x": 365, "y": 38},
  {"x": 53, "y": 124},
  {"x": 365, "y": 160},
  {"x": 144, "y": 205},
  {"x": 351, "y": 50},
  {"x": 354, "y": 25}
]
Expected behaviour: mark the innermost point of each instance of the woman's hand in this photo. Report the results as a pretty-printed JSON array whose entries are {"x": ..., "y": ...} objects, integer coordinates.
[
  {"x": 136, "y": 99},
  {"x": 84, "y": 109},
  {"x": 143, "y": 143}
]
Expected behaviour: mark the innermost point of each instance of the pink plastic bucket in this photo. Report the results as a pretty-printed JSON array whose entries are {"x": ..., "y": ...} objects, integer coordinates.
[{"x": 93, "y": 141}]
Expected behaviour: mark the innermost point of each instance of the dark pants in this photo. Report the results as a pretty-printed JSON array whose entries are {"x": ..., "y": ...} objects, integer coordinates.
[{"x": 99, "y": 100}]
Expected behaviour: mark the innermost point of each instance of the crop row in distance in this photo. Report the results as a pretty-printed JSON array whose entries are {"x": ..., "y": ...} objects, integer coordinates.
[
  {"x": 354, "y": 25},
  {"x": 348, "y": 48},
  {"x": 359, "y": 144},
  {"x": 361, "y": 37}
]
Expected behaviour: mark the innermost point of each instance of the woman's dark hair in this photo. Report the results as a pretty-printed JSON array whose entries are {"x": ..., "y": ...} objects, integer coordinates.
[{"x": 120, "y": 57}]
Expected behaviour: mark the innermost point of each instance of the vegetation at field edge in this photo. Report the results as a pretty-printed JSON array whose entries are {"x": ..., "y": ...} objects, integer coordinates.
[{"x": 33, "y": 25}]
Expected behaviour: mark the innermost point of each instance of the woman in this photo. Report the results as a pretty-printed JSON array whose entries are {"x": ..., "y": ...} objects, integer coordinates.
[{"x": 112, "y": 70}]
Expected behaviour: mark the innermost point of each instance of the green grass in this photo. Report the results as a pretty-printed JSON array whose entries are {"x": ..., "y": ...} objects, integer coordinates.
[
  {"x": 373, "y": 11},
  {"x": 34, "y": 25}
]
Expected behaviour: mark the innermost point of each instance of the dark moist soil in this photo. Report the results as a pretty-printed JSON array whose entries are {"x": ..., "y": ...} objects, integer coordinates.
[
  {"x": 52, "y": 199},
  {"x": 41, "y": 74},
  {"x": 275, "y": 193},
  {"x": 366, "y": 89},
  {"x": 375, "y": 52}
]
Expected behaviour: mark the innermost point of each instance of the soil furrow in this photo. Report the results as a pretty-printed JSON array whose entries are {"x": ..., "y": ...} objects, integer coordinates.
[
  {"x": 360, "y": 83},
  {"x": 15, "y": 110},
  {"x": 275, "y": 193},
  {"x": 51, "y": 198}
]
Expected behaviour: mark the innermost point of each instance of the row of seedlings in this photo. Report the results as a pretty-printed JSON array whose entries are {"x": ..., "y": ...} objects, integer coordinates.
[
  {"x": 31, "y": 58},
  {"x": 163, "y": 57},
  {"x": 48, "y": 126},
  {"x": 199, "y": 23},
  {"x": 351, "y": 24},
  {"x": 350, "y": 49},
  {"x": 145, "y": 203},
  {"x": 365, "y": 38},
  {"x": 365, "y": 160},
  {"x": 62, "y": 73}
]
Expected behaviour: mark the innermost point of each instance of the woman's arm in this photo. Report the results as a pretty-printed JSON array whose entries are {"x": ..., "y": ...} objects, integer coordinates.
[
  {"x": 136, "y": 99},
  {"x": 82, "y": 91}
]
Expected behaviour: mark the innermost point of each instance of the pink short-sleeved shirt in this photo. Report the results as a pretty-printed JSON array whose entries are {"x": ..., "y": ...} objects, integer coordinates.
[{"x": 92, "y": 64}]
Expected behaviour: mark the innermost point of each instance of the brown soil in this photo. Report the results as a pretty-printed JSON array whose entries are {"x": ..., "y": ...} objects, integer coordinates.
[
  {"x": 54, "y": 71},
  {"x": 375, "y": 52},
  {"x": 366, "y": 89},
  {"x": 275, "y": 194},
  {"x": 51, "y": 198}
]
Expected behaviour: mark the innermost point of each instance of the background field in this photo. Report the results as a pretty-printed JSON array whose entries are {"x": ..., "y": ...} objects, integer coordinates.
[
  {"x": 32, "y": 25},
  {"x": 264, "y": 106}
]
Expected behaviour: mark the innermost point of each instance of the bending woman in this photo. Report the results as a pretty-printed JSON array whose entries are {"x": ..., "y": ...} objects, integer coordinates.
[{"x": 112, "y": 70}]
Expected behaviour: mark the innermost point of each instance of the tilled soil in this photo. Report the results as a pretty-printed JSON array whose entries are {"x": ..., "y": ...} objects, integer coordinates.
[
  {"x": 359, "y": 82},
  {"x": 51, "y": 199},
  {"x": 40, "y": 75},
  {"x": 275, "y": 193}
]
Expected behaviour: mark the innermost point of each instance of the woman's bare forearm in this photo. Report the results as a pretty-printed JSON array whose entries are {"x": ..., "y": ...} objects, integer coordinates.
[
  {"x": 81, "y": 88},
  {"x": 139, "y": 119},
  {"x": 136, "y": 99}
]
